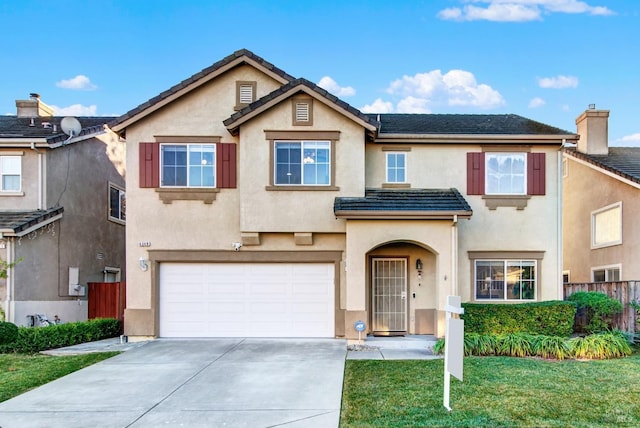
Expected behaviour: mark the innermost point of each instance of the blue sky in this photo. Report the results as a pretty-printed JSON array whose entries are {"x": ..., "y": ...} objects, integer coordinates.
[{"x": 542, "y": 59}]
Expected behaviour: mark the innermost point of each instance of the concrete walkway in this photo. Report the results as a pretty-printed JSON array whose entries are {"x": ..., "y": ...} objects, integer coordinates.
[{"x": 194, "y": 383}]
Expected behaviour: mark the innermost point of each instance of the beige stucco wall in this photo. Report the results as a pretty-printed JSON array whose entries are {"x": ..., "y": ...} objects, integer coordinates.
[
  {"x": 535, "y": 228},
  {"x": 586, "y": 190}
]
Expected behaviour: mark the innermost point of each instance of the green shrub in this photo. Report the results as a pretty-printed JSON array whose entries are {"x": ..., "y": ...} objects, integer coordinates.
[
  {"x": 551, "y": 318},
  {"x": 8, "y": 332},
  {"x": 600, "y": 346},
  {"x": 551, "y": 347},
  {"x": 36, "y": 339},
  {"x": 600, "y": 310},
  {"x": 514, "y": 345}
]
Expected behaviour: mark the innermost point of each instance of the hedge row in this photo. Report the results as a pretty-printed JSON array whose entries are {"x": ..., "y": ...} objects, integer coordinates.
[
  {"x": 551, "y": 318},
  {"x": 599, "y": 346},
  {"x": 36, "y": 339}
]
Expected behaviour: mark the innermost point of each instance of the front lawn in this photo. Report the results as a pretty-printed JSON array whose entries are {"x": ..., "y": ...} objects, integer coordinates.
[
  {"x": 497, "y": 391},
  {"x": 20, "y": 373}
]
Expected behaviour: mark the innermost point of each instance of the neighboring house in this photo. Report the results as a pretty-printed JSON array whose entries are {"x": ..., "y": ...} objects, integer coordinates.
[
  {"x": 62, "y": 211},
  {"x": 262, "y": 205},
  {"x": 601, "y": 205}
]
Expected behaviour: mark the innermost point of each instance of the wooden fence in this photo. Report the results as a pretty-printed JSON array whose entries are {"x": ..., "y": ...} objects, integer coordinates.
[
  {"x": 623, "y": 291},
  {"x": 107, "y": 300}
]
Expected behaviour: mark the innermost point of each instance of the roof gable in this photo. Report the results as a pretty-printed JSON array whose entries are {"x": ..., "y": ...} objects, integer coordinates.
[
  {"x": 620, "y": 162},
  {"x": 237, "y": 58},
  {"x": 294, "y": 87}
]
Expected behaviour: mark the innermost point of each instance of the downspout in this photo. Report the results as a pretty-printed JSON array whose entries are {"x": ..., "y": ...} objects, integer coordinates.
[
  {"x": 454, "y": 255},
  {"x": 559, "y": 220},
  {"x": 9, "y": 281},
  {"x": 40, "y": 192}
]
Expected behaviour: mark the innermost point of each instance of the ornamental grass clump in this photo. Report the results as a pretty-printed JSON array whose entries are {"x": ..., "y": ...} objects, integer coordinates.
[
  {"x": 551, "y": 347},
  {"x": 514, "y": 345},
  {"x": 601, "y": 346}
]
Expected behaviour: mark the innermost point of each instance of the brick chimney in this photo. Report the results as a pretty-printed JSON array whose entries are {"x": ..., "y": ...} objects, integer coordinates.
[
  {"x": 33, "y": 107},
  {"x": 593, "y": 127}
]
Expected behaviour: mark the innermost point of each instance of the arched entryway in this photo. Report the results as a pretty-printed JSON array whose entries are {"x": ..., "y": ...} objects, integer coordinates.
[{"x": 401, "y": 289}]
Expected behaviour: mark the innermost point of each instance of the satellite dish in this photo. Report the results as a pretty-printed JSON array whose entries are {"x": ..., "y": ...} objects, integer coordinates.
[{"x": 70, "y": 126}]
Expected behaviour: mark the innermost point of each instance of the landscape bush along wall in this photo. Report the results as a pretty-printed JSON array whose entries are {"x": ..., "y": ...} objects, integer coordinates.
[
  {"x": 36, "y": 339},
  {"x": 550, "y": 318}
]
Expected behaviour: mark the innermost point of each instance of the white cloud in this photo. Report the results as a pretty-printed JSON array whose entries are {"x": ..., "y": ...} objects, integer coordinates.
[
  {"x": 536, "y": 102},
  {"x": 78, "y": 83},
  {"x": 332, "y": 86},
  {"x": 378, "y": 106},
  {"x": 558, "y": 82},
  {"x": 565, "y": 107},
  {"x": 632, "y": 140},
  {"x": 75, "y": 110},
  {"x": 454, "y": 88},
  {"x": 413, "y": 105},
  {"x": 517, "y": 10}
]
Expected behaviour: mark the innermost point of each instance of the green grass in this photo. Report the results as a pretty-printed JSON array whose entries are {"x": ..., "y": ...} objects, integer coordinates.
[
  {"x": 497, "y": 391},
  {"x": 19, "y": 373}
]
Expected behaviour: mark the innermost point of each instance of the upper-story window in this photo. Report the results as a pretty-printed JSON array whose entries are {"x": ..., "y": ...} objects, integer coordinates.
[
  {"x": 306, "y": 163},
  {"x": 245, "y": 93},
  {"x": 505, "y": 173},
  {"x": 117, "y": 203},
  {"x": 396, "y": 167},
  {"x": 11, "y": 172},
  {"x": 606, "y": 226},
  {"x": 188, "y": 165}
]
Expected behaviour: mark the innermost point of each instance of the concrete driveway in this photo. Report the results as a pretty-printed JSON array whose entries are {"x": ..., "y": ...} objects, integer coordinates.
[{"x": 195, "y": 383}]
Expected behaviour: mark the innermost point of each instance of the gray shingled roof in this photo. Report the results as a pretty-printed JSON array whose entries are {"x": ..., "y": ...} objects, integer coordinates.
[
  {"x": 18, "y": 221},
  {"x": 291, "y": 85},
  {"x": 622, "y": 161},
  {"x": 211, "y": 69},
  {"x": 422, "y": 202},
  {"x": 496, "y": 124},
  {"x": 47, "y": 127}
]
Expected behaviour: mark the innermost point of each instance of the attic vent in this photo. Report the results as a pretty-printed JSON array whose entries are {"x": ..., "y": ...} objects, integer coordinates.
[
  {"x": 246, "y": 94},
  {"x": 302, "y": 112}
]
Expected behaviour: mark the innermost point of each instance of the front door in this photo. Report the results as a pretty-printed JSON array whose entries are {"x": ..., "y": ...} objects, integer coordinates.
[{"x": 389, "y": 291}]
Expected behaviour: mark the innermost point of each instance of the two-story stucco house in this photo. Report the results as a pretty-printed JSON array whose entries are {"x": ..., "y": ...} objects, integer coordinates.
[
  {"x": 601, "y": 205},
  {"x": 263, "y": 206},
  {"x": 62, "y": 211}
]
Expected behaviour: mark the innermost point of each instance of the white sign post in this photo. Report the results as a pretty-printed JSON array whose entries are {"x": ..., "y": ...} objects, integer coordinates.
[{"x": 453, "y": 345}]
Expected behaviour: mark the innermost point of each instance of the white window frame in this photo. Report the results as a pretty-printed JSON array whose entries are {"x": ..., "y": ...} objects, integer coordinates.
[
  {"x": 594, "y": 217},
  {"x": 505, "y": 285},
  {"x": 487, "y": 180},
  {"x": 388, "y": 168},
  {"x": 122, "y": 218},
  {"x": 607, "y": 272},
  {"x": 302, "y": 161},
  {"x": 188, "y": 165},
  {"x": 109, "y": 270},
  {"x": 3, "y": 173},
  {"x": 568, "y": 274}
]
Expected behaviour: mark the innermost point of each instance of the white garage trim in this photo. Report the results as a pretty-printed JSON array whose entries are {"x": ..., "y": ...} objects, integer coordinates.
[{"x": 246, "y": 300}]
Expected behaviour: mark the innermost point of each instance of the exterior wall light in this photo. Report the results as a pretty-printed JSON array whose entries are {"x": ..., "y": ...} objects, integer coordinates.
[
  {"x": 419, "y": 268},
  {"x": 144, "y": 264}
]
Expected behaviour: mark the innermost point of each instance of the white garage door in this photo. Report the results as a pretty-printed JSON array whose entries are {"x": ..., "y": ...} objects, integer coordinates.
[{"x": 247, "y": 300}]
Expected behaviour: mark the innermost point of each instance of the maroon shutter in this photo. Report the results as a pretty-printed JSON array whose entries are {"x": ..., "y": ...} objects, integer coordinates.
[
  {"x": 475, "y": 173},
  {"x": 535, "y": 174},
  {"x": 149, "y": 165},
  {"x": 226, "y": 165}
]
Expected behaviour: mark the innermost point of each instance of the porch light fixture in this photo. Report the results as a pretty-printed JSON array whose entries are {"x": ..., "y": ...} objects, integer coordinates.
[
  {"x": 144, "y": 264},
  {"x": 419, "y": 268}
]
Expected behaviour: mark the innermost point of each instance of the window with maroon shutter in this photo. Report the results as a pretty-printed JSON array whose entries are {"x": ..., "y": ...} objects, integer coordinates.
[
  {"x": 150, "y": 163},
  {"x": 477, "y": 173}
]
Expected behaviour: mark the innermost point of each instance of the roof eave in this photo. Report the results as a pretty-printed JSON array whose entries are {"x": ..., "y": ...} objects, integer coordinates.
[
  {"x": 234, "y": 126},
  {"x": 474, "y": 138},
  {"x": 401, "y": 215}
]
